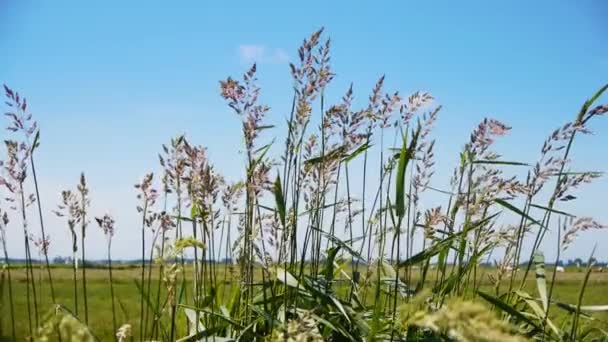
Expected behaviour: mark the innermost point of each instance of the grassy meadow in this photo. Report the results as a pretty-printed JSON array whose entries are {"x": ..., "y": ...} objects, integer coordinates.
[
  {"x": 566, "y": 290},
  {"x": 318, "y": 256}
]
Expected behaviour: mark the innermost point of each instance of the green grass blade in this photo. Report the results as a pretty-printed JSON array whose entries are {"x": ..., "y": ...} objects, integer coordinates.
[
  {"x": 364, "y": 147},
  {"x": 400, "y": 180},
  {"x": 338, "y": 152},
  {"x": 508, "y": 309},
  {"x": 516, "y": 210},
  {"x": 287, "y": 278},
  {"x": 443, "y": 245},
  {"x": 588, "y": 308},
  {"x": 280, "y": 201},
  {"x": 213, "y": 313},
  {"x": 575, "y": 317},
  {"x": 552, "y": 210},
  {"x": 589, "y": 102},
  {"x": 500, "y": 162},
  {"x": 538, "y": 311}
]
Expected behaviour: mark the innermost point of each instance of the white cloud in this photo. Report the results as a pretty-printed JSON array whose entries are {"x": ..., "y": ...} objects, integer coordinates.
[
  {"x": 250, "y": 53},
  {"x": 280, "y": 56}
]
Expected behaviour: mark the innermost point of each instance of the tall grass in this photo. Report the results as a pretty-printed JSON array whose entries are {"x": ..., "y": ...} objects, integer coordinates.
[
  {"x": 84, "y": 204},
  {"x": 297, "y": 220},
  {"x": 4, "y": 222},
  {"x": 106, "y": 223},
  {"x": 69, "y": 208}
]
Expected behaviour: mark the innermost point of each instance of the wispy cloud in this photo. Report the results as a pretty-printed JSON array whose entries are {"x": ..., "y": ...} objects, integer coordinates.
[
  {"x": 280, "y": 55},
  {"x": 249, "y": 53}
]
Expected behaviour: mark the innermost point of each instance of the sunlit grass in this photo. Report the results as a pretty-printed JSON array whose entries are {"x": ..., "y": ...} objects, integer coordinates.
[{"x": 317, "y": 255}]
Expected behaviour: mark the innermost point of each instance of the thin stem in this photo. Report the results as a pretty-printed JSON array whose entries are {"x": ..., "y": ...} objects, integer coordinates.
[
  {"x": 42, "y": 231},
  {"x": 10, "y": 286},
  {"x": 114, "y": 326},
  {"x": 28, "y": 256},
  {"x": 84, "y": 268},
  {"x": 74, "y": 267},
  {"x": 155, "y": 324},
  {"x": 143, "y": 270},
  {"x": 148, "y": 284}
]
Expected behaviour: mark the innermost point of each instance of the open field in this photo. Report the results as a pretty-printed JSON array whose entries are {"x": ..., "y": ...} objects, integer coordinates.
[{"x": 566, "y": 290}]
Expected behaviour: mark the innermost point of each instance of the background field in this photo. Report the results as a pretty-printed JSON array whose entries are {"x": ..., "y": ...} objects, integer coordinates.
[{"x": 566, "y": 290}]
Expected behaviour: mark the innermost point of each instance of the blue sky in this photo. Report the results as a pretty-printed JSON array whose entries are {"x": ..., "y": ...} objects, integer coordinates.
[{"x": 110, "y": 82}]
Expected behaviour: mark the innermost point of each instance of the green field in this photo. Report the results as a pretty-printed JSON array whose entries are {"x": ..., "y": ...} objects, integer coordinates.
[{"x": 100, "y": 311}]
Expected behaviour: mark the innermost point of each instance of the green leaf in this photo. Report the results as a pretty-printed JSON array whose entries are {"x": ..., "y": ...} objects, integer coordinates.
[
  {"x": 36, "y": 142},
  {"x": 337, "y": 152},
  {"x": 262, "y": 153},
  {"x": 329, "y": 263},
  {"x": 538, "y": 311},
  {"x": 336, "y": 328},
  {"x": 589, "y": 102},
  {"x": 280, "y": 201},
  {"x": 589, "y": 308},
  {"x": 340, "y": 307},
  {"x": 593, "y": 308},
  {"x": 407, "y": 153},
  {"x": 507, "y": 308},
  {"x": 263, "y": 149},
  {"x": 213, "y": 313},
  {"x": 182, "y": 218},
  {"x": 286, "y": 278},
  {"x": 262, "y": 207},
  {"x": 577, "y": 173},
  {"x": 194, "y": 319},
  {"x": 552, "y": 210},
  {"x": 261, "y": 128},
  {"x": 400, "y": 187},
  {"x": 441, "y": 191},
  {"x": 500, "y": 162},
  {"x": 516, "y": 210},
  {"x": 581, "y": 293},
  {"x": 313, "y": 209},
  {"x": 324, "y": 322},
  {"x": 429, "y": 252},
  {"x": 443, "y": 245},
  {"x": 343, "y": 244},
  {"x": 364, "y": 147}
]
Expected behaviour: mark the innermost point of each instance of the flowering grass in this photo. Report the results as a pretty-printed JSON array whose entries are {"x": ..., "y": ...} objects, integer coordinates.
[{"x": 318, "y": 256}]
